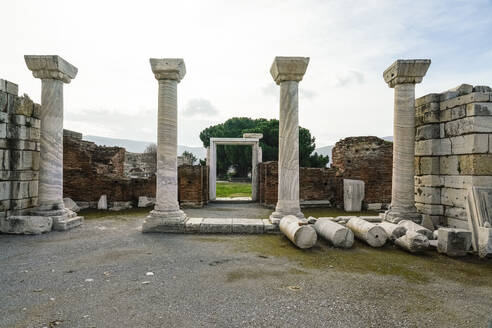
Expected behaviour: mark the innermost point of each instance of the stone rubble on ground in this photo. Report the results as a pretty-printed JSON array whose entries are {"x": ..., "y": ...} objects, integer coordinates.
[
  {"x": 412, "y": 226},
  {"x": 336, "y": 234},
  {"x": 394, "y": 231},
  {"x": 479, "y": 209},
  {"x": 370, "y": 233},
  {"x": 413, "y": 242},
  {"x": 454, "y": 242},
  {"x": 144, "y": 201},
  {"x": 71, "y": 205},
  {"x": 298, "y": 231}
]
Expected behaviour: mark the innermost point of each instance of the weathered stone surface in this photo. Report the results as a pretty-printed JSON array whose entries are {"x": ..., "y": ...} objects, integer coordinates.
[
  {"x": 336, "y": 234},
  {"x": 216, "y": 225},
  {"x": 168, "y": 68},
  {"x": 120, "y": 206},
  {"x": 28, "y": 225},
  {"x": 247, "y": 226},
  {"x": 466, "y": 181},
  {"x": 70, "y": 204},
  {"x": 482, "y": 88},
  {"x": 452, "y": 114},
  {"x": 51, "y": 67},
  {"x": 393, "y": 231},
  {"x": 412, "y": 226},
  {"x": 192, "y": 225},
  {"x": 466, "y": 99},
  {"x": 433, "y": 147},
  {"x": 470, "y": 144},
  {"x": 479, "y": 109},
  {"x": 456, "y": 212},
  {"x": 453, "y": 197},
  {"x": 289, "y": 68},
  {"x": 413, "y": 242},
  {"x": 268, "y": 227},
  {"x": 428, "y": 195},
  {"x": 406, "y": 71},
  {"x": 453, "y": 242},
  {"x": 66, "y": 223},
  {"x": 372, "y": 234},
  {"x": 430, "y": 209},
  {"x": 449, "y": 165},
  {"x": 428, "y": 131},
  {"x": 429, "y": 165},
  {"x": 301, "y": 234},
  {"x": 102, "y": 204},
  {"x": 430, "y": 180},
  {"x": 353, "y": 195},
  {"x": 476, "y": 164},
  {"x": 427, "y": 99},
  {"x": 144, "y": 201},
  {"x": 463, "y": 89},
  {"x": 473, "y": 124}
]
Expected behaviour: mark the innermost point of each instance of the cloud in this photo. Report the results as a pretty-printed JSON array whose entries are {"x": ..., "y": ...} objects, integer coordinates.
[
  {"x": 199, "y": 107},
  {"x": 349, "y": 78}
]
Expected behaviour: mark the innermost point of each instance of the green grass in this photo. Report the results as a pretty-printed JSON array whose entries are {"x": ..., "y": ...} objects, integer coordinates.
[{"x": 233, "y": 189}]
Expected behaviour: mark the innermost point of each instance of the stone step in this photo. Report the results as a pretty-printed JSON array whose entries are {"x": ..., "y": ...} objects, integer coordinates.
[{"x": 67, "y": 223}]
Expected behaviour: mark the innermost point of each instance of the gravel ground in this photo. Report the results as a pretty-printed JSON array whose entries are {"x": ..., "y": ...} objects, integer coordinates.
[{"x": 95, "y": 276}]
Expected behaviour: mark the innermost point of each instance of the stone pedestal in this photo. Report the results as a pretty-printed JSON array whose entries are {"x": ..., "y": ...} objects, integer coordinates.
[
  {"x": 288, "y": 72},
  {"x": 53, "y": 72},
  {"x": 353, "y": 195},
  {"x": 167, "y": 216},
  {"x": 402, "y": 75}
]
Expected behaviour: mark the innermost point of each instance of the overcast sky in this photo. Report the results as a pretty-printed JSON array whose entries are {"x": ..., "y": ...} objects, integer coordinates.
[{"x": 228, "y": 47}]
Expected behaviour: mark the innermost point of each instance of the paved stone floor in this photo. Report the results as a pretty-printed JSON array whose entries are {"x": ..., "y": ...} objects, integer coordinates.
[{"x": 95, "y": 276}]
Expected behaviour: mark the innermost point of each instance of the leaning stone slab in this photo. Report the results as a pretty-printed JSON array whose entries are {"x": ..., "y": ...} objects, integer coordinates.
[
  {"x": 247, "y": 226},
  {"x": 484, "y": 242},
  {"x": 216, "y": 225},
  {"x": 372, "y": 234},
  {"x": 413, "y": 242},
  {"x": 479, "y": 210},
  {"x": 27, "y": 225},
  {"x": 394, "y": 231},
  {"x": 353, "y": 195},
  {"x": 453, "y": 242},
  {"x": 336, "y": 234},
  {"x": 412, "y": 226},
  {"x": 71, "y": 205},
  {"x": 144, "y": 201},
  {"x": 301, "y": 234}
]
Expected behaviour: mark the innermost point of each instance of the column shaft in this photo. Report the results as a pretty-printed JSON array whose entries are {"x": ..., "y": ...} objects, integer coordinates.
[
  {"x": 254, "y": 172},
  {"x": 288, "y": 152},
  {"x": 51, "y": 143},
  {"x": 403, "y": 197},
  {"x": 167, "y": 134}
]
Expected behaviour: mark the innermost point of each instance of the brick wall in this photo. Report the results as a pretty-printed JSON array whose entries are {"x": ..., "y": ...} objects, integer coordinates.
[
  {"x": 369, "y": 159},
  {"x": 193, "y": 185},
  {"x": 19, "y": 151},
  {"x": 90, "y": 171},
  {"x": 453, "y": 148},
  {"x": 315, "y": 184}
]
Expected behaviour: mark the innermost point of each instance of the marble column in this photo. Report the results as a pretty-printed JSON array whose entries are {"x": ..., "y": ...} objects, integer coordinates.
[
  {"x": 402, "y": 75},
  {"x": 213, "y": 171},
  {"x": 167, "y": 216},
  {"x": 254, "y": 172},
  {"x": 288, "y": 72},
  {"x": 53, "y": 72}
]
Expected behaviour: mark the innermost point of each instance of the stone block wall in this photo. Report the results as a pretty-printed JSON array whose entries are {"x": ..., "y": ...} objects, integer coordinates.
[
  {"x": 369, "y": 159},
  {"x": 193, "y": 185},
  {"x": 19, "y": 151},
  {"x": 316, "y": 184},
  {"x": 453, "y": 151}
]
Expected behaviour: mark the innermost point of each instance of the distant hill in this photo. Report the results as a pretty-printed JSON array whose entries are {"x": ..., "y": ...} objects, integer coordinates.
[{"x": 137, "y": 146}]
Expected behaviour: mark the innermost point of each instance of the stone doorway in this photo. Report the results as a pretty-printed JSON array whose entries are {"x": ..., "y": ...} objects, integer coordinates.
[{"x": 248, "y": 139}]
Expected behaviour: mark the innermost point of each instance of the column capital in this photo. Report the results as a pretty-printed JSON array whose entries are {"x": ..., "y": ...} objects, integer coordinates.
[
  {"x": 51, "y": 67},
  {"x": 289, "y": 68},
  {"x": 406, "y": 71},
  {"x": 168, "y": 68}
]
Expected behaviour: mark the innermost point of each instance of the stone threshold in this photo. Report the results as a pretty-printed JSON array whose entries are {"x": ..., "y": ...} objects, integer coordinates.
[{"x": 229, "y": 226}]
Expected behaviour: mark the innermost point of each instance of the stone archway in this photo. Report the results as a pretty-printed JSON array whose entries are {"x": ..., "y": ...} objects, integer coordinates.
[{"x": 251, "y": 139}]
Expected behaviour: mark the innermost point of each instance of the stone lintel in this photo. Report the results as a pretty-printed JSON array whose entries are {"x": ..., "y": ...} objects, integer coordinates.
[
  {"x": 234, "y": 141},
  {"x": 289, "y": 68},
  {"x": 168, "y": 68},
  {"x": 253, "y": 135},
  {"x": 406, "y": 71},
  {"x": 51, "y": 67}
]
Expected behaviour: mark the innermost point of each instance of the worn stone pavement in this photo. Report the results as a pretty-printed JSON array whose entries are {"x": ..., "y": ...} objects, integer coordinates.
[{"x": 95, "y": 276}]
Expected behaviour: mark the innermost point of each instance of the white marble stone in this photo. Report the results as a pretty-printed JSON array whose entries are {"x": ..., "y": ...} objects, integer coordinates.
[
  {"x": 102, "y": 204},
  {"x": 453, "y": 242},
  {"x": 167, "y": 216},
  {"x": 26, "y": 225},
  {"x": 144, "y": 201},
  {"x": 353, "y": 195},
  {"x": 70, "y": 204},
  {"x": 402, "y": 76},
  {"x": 479, "y": 210},
  {"x": 53, "y": 72},
  {"x": 287, "y": 72}
]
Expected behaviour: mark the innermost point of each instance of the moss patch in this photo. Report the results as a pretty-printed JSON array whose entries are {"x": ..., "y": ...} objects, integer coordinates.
[{"x": 388, "y": 260}]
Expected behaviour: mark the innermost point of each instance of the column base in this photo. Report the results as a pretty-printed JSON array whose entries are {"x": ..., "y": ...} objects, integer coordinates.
[
  {"x": 397, "y": 215},
  {"x": 165, "y": 221},
  {"x": 63, "y": 219},
  {"x": 276, "y": 216}
]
